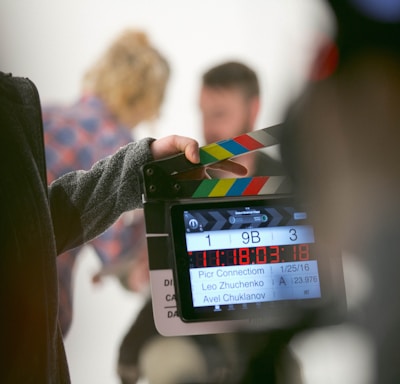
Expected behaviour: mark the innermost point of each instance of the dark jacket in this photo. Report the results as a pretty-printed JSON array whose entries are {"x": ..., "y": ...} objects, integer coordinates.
[{"x": 38, "y": 222}]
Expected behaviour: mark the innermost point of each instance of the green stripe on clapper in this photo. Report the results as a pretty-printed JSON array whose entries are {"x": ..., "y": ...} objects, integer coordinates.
[
  {"x": 213, "y": 152},
  {"x": 206, "y": 158},
  {"x": 205, "y": 187}
]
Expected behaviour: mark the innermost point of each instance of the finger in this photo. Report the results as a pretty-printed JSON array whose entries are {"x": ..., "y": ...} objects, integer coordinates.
[
  {"x": 230, "y": 166},
  {"x": 175, "y": 144},
  {"x": 191, "y": 150}
]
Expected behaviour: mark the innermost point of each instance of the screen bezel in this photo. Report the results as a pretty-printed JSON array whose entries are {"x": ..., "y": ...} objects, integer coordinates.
[{"x": 284, "y": 308}]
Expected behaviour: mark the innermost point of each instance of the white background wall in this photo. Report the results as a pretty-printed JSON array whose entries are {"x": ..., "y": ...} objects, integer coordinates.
[{"x": 53, "y": 42}]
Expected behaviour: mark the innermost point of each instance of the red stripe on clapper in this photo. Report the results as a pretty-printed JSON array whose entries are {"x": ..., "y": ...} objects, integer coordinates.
[
  {"x": 255, "y": 185},
  {"x": 248, "y": 142}
]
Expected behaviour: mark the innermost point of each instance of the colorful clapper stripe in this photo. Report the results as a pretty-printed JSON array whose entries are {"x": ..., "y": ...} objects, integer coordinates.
[
  {"x": 245, "y": 186},
  {"x": 226, "y": 149}
]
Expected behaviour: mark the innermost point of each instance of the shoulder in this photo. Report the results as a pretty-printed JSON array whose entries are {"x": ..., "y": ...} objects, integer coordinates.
[
  {"x": 17, "y": 90},
  {"x": 21, "y": 121},
  {"x": 20, "y": 102}
]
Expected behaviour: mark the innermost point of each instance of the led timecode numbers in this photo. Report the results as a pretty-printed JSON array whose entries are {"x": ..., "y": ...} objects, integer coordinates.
[{"x": 245, "y": 256}]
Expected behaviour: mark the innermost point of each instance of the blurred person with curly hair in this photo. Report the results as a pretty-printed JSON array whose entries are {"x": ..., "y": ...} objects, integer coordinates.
[{"x": 123, "y": 88}]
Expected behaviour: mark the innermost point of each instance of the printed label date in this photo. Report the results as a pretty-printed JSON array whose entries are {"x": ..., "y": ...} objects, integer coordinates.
[{"x": 295, "y": 268}]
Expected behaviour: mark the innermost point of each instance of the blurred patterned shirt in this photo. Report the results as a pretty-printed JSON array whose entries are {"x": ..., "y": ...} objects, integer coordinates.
[{"x": 76, "y": 137}]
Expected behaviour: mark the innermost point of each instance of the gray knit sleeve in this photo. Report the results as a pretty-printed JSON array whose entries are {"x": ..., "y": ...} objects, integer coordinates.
[{"x": 86, "y": 203}]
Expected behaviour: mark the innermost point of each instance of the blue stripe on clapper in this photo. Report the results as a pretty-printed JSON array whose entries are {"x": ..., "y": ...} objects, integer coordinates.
[
  {"x": 239, "y": 186},
  {"x": 233, "y": 146}
]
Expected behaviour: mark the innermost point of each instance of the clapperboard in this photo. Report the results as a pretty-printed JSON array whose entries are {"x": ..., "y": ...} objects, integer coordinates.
[{"x": 235, "y": 253}]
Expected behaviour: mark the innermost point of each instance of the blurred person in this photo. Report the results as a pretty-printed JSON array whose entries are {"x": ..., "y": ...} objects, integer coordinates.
[
  {"x": 340, "y": 145},
  {"x": 229, "y": 101},
  {"x": 39, "y": 221},
  {"x": 123, "y": 88}
]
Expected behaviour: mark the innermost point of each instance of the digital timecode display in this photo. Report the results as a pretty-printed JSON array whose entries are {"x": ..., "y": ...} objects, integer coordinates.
[
  {"x": 247, "y": 256},
  {"x": 251, "y": 260},
  {"x": 238, "y": 256}
]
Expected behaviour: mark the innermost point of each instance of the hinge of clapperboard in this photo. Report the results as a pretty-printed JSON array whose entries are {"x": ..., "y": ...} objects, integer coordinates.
[{"x": 164, "y": 179}]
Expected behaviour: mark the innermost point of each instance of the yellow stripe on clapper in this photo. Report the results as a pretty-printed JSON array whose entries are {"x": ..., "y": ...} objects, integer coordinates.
[
  {"x": 222, "y": 187},
  {"x": 217, "y": 151}
]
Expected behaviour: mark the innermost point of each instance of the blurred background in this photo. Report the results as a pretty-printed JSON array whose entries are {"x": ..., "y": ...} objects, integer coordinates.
[{"x": 53, "y": 42}]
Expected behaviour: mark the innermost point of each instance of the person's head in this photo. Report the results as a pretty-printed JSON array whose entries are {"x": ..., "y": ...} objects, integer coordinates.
[
  {"x": 130, "y": 78},
  {"x": 229, "y": 101}
]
